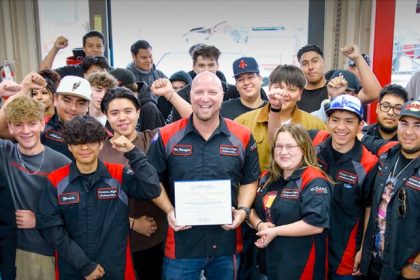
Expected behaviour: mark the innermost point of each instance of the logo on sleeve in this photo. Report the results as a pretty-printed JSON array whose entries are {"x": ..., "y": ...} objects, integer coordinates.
[
  {"x": 347, "y": 177},
  {"x": 319, "y": 190},
  {"x": 253, "y": 147},
  {"x": 107, "y": 193},
  {"x": 227, "y": 150},
  {"x": 68, "y": 198},
  {"x": 413, "y": 182},
  {"x": 182, "y": 150},
  {"x": 290, "y": 194}
]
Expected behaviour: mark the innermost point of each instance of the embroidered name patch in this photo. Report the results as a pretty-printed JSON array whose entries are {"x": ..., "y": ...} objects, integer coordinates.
[
  {"x": 68, "y": 198},
  {"x": 54, "y": 135},
  {"x": 323, "y": 165},
  {"x": 319, "y": 190},
  {"x": 290, "y": 194},
  {"x": 107, "y": 193},
  {"x": 413, "y": 182},
  {"x": 347, "y": 177},
  {"x": 227, "y": 150},
  {"x": 182, "y": 150}
]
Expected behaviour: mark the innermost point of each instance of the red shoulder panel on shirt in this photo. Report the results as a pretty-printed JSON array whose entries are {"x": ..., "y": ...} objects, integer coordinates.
[
  {"x": 116, "y": 170},
  {"x": 320, "y": 137},
  {"x": 59, "y": 174},
  {"x": 169, "y": 130},
  {"x": 368, "y": 160},
  {"x": 311, "y": 173},
  {"x": 385, "y": 148}
]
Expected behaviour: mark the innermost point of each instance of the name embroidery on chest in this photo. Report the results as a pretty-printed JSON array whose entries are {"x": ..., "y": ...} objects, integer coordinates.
[
  {"x": 107, "y": 193},
  {"x": 182, "y": 150},
  {"x": 54, "y": 135},
  {"x": 228, "y": 150},
  {"x": 413, "y": 182},
  {"x": 290, "y": 194},
  {"x": 68, "y": 198},
  {"x": 347, "y": 177},
  {"x": 323, "y": 165}
]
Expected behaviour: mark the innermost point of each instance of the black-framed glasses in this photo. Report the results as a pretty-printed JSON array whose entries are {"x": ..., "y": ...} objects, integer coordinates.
[
  {"x": 402, "y": 197},
  {"x": 385, "y": 107}
]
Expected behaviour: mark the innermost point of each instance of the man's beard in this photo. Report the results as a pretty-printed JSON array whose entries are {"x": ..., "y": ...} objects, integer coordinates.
[
  {"x": 412, "y": 151},
  {"x": 386, "y": 129}
]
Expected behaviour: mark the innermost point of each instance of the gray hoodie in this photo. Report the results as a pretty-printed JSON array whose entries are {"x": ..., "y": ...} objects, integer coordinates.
[{"x": 146, "y": 76}]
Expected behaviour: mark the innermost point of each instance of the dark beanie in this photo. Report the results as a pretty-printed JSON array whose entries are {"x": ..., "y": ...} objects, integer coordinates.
[
  {"x": 124, "y": 76},
  {"x": 181, "y": 76}
]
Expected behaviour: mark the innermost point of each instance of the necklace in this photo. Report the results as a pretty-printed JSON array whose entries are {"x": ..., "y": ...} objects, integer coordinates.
[
  {"x": 23, "y": 163},
  {"x": 392, "y": 178}
]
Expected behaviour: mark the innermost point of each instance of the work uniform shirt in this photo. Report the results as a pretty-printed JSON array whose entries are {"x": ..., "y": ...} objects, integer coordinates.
[
  {"x": 353, "y": 174},
  {"x": 86, "y": 216},
  {"x": 373, "y": 130},
  {"x": 179, "y": 153},
  {"x": 53, "y": 137},
  {"x": 305, "y": 195},
  {"x": 402, "y": 232}
]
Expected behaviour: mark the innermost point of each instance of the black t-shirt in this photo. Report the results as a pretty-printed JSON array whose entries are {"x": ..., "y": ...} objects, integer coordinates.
[
  {"x": 233, "y": 108},
  {"x": 311, "y": 99},
  {"x": 70, "y": 70}
]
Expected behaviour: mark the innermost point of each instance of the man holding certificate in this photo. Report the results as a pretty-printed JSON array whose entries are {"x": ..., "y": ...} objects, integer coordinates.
[{"x": 208, "y": 169}]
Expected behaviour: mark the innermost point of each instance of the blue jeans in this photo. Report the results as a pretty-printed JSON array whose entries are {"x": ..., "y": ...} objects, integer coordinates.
[{"x": 215, "y": 268}]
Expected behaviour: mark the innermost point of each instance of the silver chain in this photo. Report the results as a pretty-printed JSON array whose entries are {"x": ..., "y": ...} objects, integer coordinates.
[{"x": 23, "y": 163}]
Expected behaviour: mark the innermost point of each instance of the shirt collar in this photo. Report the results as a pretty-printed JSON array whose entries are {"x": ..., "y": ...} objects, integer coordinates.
[
  {"x": 222, "y": 128},
  {"x": 101, "y": 172}
]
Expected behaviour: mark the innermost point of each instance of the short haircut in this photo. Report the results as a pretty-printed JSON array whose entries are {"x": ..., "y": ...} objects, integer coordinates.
[
  {"x": 98, "y": 60},
  {"x": 83, "y": 130},
  {"x": 52, "y": 78},
  {"x": 24, "y": 108},
  {"x": 205, "y": 51},
  {"x": 119, "y": 92},
  {"x": 394, "y": 89},
  {"x": 289, "y": 74},
  {"x": 309, "y": 48},
  {"x": 140, "y": 44},
  {"x": 93, "y": 33},
  {"x": 102, "y": 79}
]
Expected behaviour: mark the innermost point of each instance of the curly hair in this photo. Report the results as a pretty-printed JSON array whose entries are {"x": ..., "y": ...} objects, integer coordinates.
[
  {"x": 97, "y": 60},
  {"x": 102, "y": 79},
  {"x": 24, "y": 108},
  {"x": 83, "y": 130},
  {"x": 205, "y": 51}
]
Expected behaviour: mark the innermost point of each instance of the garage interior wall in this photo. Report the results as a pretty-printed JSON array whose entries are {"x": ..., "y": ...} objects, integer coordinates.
[{"x": 18, "y": 40}]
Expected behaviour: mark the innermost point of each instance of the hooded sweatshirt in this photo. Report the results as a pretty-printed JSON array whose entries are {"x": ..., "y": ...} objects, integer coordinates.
[{"x": 146, "y": 76}]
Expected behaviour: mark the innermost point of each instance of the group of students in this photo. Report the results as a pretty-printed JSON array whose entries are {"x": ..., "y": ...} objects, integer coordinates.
[{"x": 317, "y": 204}]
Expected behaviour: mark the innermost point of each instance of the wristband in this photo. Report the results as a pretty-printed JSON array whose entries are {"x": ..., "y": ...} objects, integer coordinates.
[
  {"x": 247, "y": 211},
  {"x": 275, "y": 110},
  {"x": 415, "y": 266},
  {"x": 132, "y": 225},
  {"x": 256, "y": 227}
]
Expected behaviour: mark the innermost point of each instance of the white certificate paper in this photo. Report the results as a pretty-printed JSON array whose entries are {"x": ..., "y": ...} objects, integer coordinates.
[{"x": 203, "y": 202}]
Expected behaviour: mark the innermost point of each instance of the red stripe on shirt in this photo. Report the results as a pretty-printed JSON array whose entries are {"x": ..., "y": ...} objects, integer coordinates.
[
  {"x": 170, "y": 244},
  {"x": 347, "y": 261},
  {"x": 308, "y": 272}
]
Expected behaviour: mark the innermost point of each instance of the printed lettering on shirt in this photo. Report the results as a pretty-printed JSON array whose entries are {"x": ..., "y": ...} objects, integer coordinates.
[
  {"x": 129, "y": 172},
  {"x": 54, "y": 135},
  {"x": 68, "y": 198},
  {"x": 290, "y": 194},
  {"x": 319, "y": 189},
  {"x": 413, "y": 182},
  {"x": 107, "y": 193},
  {"x": 323, "y": 165},
  {"x": 182, "y": 150},
  {"x": 253, "y": 147},
  {"x": 227, "y": 150},
  {"x": 347, "y": 177}
]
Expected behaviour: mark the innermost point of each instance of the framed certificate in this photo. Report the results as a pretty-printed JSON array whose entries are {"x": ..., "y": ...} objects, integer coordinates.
[{"x": 203, "y": 202}]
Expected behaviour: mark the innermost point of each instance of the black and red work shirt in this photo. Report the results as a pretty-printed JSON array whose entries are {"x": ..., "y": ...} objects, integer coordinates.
[
  {"x": 85, "y": 217},
  {"x": 353, "y": 174},
  {"x": 180, "y": 153},
  {"x": 305, "y": 195}
]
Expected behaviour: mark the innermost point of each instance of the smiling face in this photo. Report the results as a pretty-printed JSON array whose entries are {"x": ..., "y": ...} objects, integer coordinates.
[
  {"x": 206, "y": 96},
  {"x": 69, "y": 106},
  {"x": 86, "y": 154},
  {"x": 284, "y": 96},
  {"x": 249, "y": 85},
  {"x": 344, "y": 127},
  {"x": 287, "y": 153},
  {"x": 28, "y": 134},
  {"x": 123, "y": 116},
  {"x": 44, "y": 96},
  {"x": 409, "y": 136},
  {"x": 388, "y": 121}
]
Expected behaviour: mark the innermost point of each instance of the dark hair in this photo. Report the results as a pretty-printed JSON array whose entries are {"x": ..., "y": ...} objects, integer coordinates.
[
  {"x": 83, "y": 130},
  {"x": 205, "y": 51},
  {"x": 289, "y": 74},
  {"x": 193, "y": 47},
  {"x": 309, "y": 48},
  {"x": 93, "y": 33},
  {"x": 52, "y": 78},
  {"x": 395, "y": 90},
  {"x": 119, "y": 92},
  {"x": 98, "y": 60},
  {"x": 140, "y": 44}
]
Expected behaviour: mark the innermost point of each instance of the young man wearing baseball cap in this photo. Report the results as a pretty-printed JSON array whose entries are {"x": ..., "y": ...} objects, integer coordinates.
[
  {"x": 71, "y": 100},
  {"x": 342, "y": 156},
  {"x": 391, "y": 249},
  {"x": 249, "y": 85}
]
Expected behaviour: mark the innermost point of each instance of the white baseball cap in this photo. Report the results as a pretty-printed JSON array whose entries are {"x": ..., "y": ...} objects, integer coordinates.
[{"x": 76, "y": 86}]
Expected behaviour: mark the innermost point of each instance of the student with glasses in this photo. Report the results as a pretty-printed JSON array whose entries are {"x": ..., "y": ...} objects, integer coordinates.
[
  {"x": 391, "y": 248},
  {"x": 391, "y": 99},
  {"x": 292, "y": 209}
]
